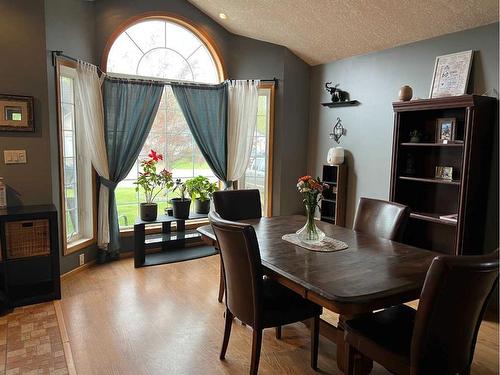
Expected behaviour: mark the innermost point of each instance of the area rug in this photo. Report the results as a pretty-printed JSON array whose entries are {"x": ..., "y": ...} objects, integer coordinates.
[{"x": 31, "y": 343}]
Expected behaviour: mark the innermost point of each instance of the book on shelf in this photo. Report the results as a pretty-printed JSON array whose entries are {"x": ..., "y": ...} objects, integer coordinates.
[{"x": 451, "y": 218}]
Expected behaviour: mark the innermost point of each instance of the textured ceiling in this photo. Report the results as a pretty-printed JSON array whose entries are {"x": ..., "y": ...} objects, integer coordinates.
[{"x": 320, "y": 31}]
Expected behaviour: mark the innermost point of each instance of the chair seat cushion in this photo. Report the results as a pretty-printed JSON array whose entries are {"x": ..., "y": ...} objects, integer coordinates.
[
  {"x": 283, "y": 306},
  {"x": 384, "y": 336}
]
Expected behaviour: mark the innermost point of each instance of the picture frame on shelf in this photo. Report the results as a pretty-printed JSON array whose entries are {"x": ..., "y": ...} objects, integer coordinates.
[
  {"x": 16, "y": 113},
  {"x": 451, "y": 74},
  {"x": 444, "y": 173},
  {"x": 446, "y": 130}
]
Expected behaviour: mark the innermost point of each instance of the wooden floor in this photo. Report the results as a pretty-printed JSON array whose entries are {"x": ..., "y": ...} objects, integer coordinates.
[{"x": 166, "y": 320}]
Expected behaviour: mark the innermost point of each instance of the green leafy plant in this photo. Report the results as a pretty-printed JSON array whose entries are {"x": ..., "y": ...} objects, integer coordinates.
[
  {"x": 181, "y": 188},
  {"x": 200, "y": 187},
  {"x": 151, "y": 181}
]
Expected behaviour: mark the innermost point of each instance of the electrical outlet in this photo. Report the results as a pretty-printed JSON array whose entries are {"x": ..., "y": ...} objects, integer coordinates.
[{"x": 82, "y": 259}]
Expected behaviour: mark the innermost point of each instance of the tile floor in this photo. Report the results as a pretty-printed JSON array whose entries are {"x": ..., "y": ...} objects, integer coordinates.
[{"x": 30, "y": 342}]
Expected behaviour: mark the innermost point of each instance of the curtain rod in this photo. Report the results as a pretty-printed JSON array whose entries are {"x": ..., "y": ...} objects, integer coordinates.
[{"x": 56, "y": 54}]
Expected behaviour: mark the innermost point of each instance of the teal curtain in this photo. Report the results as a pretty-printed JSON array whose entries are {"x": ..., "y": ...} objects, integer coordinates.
[
  {"x": 130, "y": 107},
  {"x": 205, "y": 110}
]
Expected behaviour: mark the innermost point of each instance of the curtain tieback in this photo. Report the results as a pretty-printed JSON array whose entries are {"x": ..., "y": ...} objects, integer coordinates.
[{"x": 111, "y": 185}]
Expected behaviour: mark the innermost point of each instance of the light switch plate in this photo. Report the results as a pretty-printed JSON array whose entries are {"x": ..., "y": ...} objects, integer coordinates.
[{"x": 14, "y": 156}]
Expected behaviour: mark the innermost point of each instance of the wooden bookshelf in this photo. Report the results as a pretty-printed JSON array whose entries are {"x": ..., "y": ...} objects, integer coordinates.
[
  {"x": 413, "y": 180},
  {"x": 334, "y": 202}
]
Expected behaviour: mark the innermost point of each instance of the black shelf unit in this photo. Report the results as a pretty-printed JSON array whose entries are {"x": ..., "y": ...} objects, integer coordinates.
[
  {"x": 167, "y": 241},
  {"x": 333, "y": 203},
  {"x": 26, "y": 280}
]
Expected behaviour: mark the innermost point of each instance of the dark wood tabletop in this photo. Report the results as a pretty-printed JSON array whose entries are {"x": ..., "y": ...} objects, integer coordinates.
[{"x": 371, "y": 273}]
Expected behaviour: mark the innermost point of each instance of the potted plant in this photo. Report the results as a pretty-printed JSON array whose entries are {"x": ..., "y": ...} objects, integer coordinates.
[
  {"x": 152, "y": 184},
  {"x": 181, "y": 205},
  {"x": 201, "y": 190}
]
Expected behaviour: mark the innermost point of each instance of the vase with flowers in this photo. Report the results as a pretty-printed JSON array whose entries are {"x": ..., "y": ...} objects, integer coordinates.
[
  {"x": 152, "y": 183},
  {"x": 312, "y": 193}
]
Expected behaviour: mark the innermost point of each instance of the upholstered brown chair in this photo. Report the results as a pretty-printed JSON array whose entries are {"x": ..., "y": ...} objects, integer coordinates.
[
  {"x": 236, "y": 205},
  {"x": 381, "y": 218},
  {"x": 438, "y": 338},
  {"x": 255, "y": 300}
]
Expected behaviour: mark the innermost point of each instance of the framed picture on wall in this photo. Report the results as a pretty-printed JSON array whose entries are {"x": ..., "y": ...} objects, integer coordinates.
[
  {"x": 16, "y": 113},
  {"x": 451, "y": 74}
]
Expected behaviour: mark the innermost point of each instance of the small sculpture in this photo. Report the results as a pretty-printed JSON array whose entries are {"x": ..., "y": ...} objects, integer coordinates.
[
  {"x": 337, "y": 94},
  {"x": 405, "y": 93}
]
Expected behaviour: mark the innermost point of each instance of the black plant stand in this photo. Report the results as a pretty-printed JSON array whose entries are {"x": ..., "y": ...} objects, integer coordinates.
[{"x": 167, "y": 240}]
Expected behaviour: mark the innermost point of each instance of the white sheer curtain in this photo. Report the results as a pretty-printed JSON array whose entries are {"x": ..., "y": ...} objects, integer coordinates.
[
  {"x": 243, "y": 99},
  {"x": 91, "y": 117}
]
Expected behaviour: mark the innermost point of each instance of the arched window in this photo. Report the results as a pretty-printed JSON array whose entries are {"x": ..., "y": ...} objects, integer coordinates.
[{"x": 172, "y": 49}]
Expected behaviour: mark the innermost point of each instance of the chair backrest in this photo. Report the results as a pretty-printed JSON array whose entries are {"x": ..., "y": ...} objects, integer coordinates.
[
  {"x": 452, "y": 304},
  {"x": 242, "y": 265},
  {"x": 381, "y": 218},
  {"x": 238, "y": 204}
]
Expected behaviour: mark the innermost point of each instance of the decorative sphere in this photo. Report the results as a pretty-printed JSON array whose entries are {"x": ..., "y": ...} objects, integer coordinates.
[{"x": 405, "y": 93}]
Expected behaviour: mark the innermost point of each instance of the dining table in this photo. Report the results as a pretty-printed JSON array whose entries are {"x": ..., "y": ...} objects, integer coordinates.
[{"x": 372, "y": 273}]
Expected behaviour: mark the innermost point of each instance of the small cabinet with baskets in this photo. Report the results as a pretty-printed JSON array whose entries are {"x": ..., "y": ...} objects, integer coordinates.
[{"x": 29, "y": 263}]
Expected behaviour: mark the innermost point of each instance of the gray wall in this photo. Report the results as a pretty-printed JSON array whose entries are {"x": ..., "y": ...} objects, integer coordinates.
[
  {"x": 374, "y": 80},
  {"x": 22, "y": 72}
]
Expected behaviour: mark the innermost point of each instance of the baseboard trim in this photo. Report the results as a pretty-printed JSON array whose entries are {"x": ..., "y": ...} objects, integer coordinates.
[
  {"x": 68, "y": 354},
  {"x": 78, "y": 269}
]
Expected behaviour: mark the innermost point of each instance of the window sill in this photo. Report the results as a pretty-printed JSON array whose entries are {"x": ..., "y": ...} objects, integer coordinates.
[
  {"x": 76, "y": 245},
  {"x": 191, "y": 224}
]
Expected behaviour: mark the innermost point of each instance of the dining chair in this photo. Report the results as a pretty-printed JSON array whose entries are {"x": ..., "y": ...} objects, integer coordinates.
[
  {"x": 440, "y": 336},
  {"x": 381, "y": 218},
  {"x": 236, "y": 205},
  {"x": 257, "y": 301}
]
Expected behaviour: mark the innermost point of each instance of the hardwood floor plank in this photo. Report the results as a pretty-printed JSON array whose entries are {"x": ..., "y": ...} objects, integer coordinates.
[{"x": 166, "y": 320}]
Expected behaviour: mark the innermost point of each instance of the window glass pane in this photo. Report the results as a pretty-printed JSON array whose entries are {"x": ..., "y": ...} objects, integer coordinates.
[
  {"x": 148, "y": 35},
  {"x": 165, "y": 63},
  {"x": 123, "y": 56},
  {"x": 202, "y": 66},
  {"x": 68, "y": 115},
  {"x": 67, "y": 90},
  {"x": 181, "y": 40}
]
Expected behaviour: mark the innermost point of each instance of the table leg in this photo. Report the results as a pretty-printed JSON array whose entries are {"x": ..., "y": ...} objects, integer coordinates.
[{"x": 362, "y": 364}]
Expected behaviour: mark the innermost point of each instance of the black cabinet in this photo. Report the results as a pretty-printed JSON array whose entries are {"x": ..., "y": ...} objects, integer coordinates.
[{"x": 29, "y": 256}]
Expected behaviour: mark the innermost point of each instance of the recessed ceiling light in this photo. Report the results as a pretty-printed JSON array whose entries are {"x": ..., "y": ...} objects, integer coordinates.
[{"x": 222, "y": 16}]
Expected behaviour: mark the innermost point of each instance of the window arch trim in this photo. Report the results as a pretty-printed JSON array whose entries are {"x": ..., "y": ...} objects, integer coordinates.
[{"x": 204, "y": 37}]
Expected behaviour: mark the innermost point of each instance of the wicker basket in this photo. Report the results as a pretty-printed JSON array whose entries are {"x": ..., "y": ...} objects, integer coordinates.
[{"x": 27, "y": 238}]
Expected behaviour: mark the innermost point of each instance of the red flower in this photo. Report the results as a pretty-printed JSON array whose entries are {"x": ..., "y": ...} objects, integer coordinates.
[
  {"x": 155, "y": 156},
  {"x": 305, "y": 178}
]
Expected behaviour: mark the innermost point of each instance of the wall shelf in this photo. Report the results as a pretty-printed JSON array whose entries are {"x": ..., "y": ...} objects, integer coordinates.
[{"x": 347, "y": 103}]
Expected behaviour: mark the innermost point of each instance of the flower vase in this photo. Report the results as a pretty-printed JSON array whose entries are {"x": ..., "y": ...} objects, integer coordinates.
[{"x": 310, "y": 233}]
